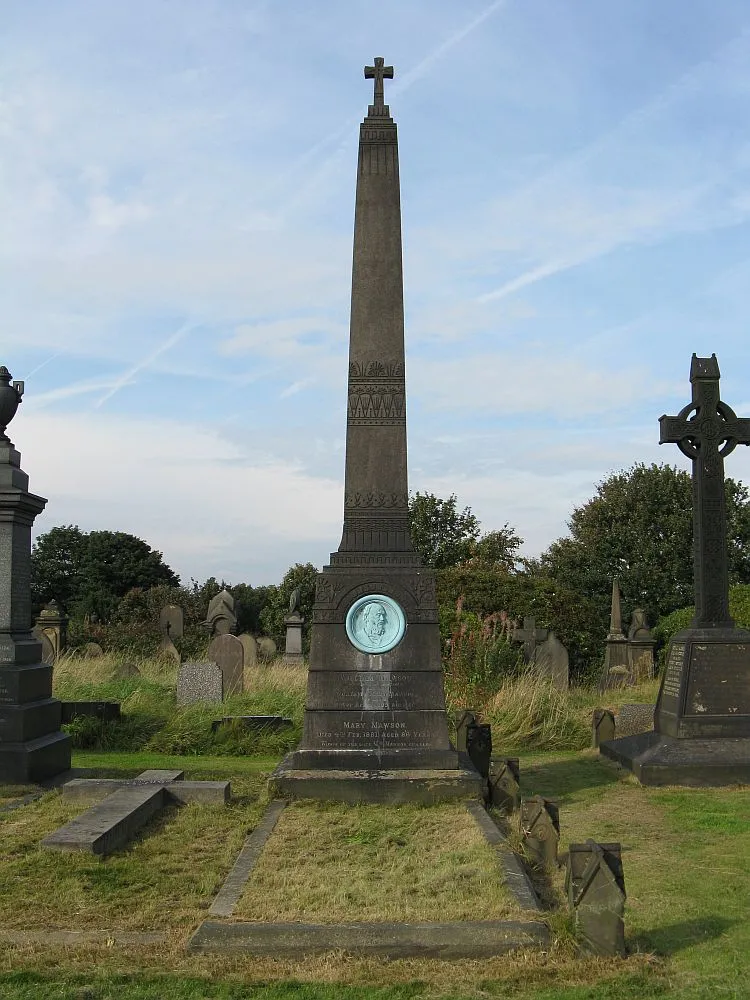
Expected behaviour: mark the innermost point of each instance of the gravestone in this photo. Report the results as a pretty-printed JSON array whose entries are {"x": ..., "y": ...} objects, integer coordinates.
[
  {"x": 640, "y": 648},
  {"x": 32, "y": 747},
  {"x": 701, "y": 733},
  {"x": 92, "y": 651},
  {"x": 199, "y": 682},
  {"x": 595, "y": 887},
  {"x": 171, "y": 623},
  {"x": 464, "y": 720},
  {"x": 228, "y": 653},
  {"x": 479, "y": 747},
  {"x": 375, "y": 699},
  {"x": 293, "y": 644},
  {"x": 530, "y": 636},
  {"x": 250, "y": 649},
  {"x": 125, "y": 671},
  {"x": 539, "y": 826},
  {"x": 603, "y": 726},
  {"x": 266, "y": 649},
  {"x": 505, "y": 784},
  {"x": 616, "y": 670},
  {"x": 220, "y": 618},
  {"x": 551, "y": 661},
  {"x": 51, "y": 629},
  {"x": 634, "y": 718}
]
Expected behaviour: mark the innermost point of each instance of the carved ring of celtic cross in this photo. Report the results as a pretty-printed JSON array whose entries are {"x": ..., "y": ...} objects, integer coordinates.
[{"x": 709, "y": 428}]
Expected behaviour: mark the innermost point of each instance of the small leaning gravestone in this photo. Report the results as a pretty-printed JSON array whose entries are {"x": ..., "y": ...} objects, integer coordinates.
[{"x": 595, "y": 886}]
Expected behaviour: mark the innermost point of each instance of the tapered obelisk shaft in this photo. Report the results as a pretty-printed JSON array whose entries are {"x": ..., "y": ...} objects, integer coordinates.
[{"x": 376, "y": 489}]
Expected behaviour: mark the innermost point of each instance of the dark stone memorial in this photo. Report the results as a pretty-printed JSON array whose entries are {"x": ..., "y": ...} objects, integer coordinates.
[
  {"x": 504, "y": 784},
  {"x": 595, "y": 887},
  {"x": 32, "y": 747},
  {"x": 539, "y": 827},
  {"x": 375, "y": 699},
  {"x": 701, "y": 733}
]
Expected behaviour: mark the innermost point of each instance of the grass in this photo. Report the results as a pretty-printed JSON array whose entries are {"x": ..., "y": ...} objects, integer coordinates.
[
  {"x": 686, "y": 855},
  {"x": 376, "y": 863}
]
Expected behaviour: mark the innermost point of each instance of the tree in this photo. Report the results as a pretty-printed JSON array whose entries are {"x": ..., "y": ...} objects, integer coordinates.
[
  {"x": 496, "y": 549},
  {"x": 638, "y": 527},
  {"x": 88, "y": 573},
  {"x": 276, "y": 609},
  {"x": 441, "y": 534}
]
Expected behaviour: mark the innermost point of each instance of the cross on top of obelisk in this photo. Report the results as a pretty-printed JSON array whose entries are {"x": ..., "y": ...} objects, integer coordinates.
[{"x": 378, "y": 73}]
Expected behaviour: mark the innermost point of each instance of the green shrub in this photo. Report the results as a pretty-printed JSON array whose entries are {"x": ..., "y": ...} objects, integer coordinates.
[{"x": 666, "y": 627}]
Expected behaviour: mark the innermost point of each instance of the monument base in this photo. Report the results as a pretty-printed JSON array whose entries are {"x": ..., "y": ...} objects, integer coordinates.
[
  {"x": 375, "y": 759},
  {"x": 425, "y": 786},
  {"x": 656, "y": 759},
  {"x": 34, "y": 760}
]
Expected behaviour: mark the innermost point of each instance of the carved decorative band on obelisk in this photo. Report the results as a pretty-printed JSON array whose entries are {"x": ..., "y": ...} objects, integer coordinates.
[{"x": 375, "y": 698}]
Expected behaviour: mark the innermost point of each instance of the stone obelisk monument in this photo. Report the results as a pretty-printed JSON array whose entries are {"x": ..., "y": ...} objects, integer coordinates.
[
  {"x": 32, "y": 747},
  {"x": 375, "y": 702},
  {"x": 701, "y": 732}
]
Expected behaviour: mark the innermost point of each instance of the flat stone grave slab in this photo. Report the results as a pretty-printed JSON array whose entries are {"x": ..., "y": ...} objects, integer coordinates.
[
  {"x": 247, "y": 898},
  {"x": 123, "y": 806},
  {"x": 107, "y": 711}
]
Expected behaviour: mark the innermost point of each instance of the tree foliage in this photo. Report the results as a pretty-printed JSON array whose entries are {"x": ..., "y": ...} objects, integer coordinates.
[
  {"x": 445, "y": 536},
  {"x": 88, "y": 573},
  {"x": 276, "y": 608},
  {"x": 638, "y": 527}
]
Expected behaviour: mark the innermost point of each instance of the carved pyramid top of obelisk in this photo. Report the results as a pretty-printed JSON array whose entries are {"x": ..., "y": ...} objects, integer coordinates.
[{"x": 376, "y": 490}]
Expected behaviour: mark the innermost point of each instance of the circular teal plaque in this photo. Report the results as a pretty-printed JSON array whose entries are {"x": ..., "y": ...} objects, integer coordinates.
[{"x": 375, "y": 623}]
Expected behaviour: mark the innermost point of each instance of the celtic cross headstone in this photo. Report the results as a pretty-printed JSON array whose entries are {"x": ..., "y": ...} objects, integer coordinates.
[{"x": 701, "y": 733}]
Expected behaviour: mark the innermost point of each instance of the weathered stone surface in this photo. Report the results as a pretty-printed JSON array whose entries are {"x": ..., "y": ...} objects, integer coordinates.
[
  {"x": 479, "y": 747},
  {"x": 220, "y": 618},
  {"x": 109, "y": 825},
  {"x": 656, "y": 759},
  {"x": 595, "y": 887},
  {"x": 551, "y": 661},
  {"x": 97, "y": 789},
  {"x": 228, "y": 653},
  {"x": 250, "y": 647},
  {"x": 530, "y": 636},
  {"x": 468, "y": 939},
  {"x": 293, "y": 645},
  {"x": 632, "y": 719},
  {"x": 422, "y": 785},
  {"x": 641, "y": 645},
  {"x": 375, "y": 690},
  {"x": 464, "y": 719},
  {"x": 124, "y": 671},
  {"x": 32, "y": 748},
  {"x": 603, "y": 726},
  {"x": 168, "y": 650},
  {"x": 51, "y": 629},
  {"x": 199, "y": 682},
  {"x": 504, "y": 784},
  {"x": 266, "y": 649},
  {"x": 172, "y": 621},
  {"x": 539, "y": 825},
  {"x": 515, "y": 875},
  {"x": 92, "y": 650},
  {"x": 230, "y": 893}
]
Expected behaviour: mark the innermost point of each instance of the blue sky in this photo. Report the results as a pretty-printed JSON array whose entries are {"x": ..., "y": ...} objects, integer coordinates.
[{"x": 176, "y": 213}]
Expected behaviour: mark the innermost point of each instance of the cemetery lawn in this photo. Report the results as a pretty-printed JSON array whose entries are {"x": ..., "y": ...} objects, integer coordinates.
[
  {"x": 686, "y": 855},
  {"x": 333, "y": 863}
]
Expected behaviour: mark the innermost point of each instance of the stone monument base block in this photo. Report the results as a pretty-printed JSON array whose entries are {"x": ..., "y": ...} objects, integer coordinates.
[
  {"x": 387, "y": 759},
  {"x": 656, "y": 759},
  {"x": 425, "y": 786},
  {"x": 35, "y": 760}
]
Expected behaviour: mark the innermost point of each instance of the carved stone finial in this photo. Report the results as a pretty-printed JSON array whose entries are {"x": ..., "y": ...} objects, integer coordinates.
[{"x": 10, "y": 398}]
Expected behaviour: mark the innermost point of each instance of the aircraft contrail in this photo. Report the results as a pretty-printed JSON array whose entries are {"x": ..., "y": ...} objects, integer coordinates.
[{"x": 128, "y": 375}]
